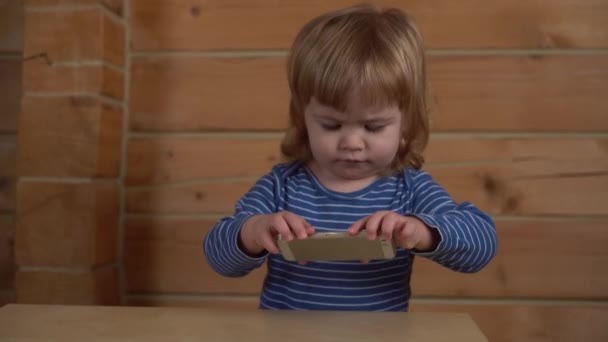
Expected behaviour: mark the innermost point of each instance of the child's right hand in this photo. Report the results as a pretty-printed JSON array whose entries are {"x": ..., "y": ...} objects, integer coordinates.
[{"x": 259, "y": 233}]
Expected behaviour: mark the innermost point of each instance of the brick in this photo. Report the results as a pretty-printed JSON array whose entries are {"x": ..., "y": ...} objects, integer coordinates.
[
  {"x": 87, "y": 34},
  {"x": 99, "y": 287},
  {"x": 57, "y": 131},
  {"x": 38, "y": 76},
  {"x": 66, "y": 224}
]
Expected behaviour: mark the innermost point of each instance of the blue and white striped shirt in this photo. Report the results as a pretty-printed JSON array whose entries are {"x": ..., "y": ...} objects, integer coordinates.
[{"x": 468, "y": 239}]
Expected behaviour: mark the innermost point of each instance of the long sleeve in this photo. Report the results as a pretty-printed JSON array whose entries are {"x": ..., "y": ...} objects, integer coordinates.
[
  {"x": 468, "y": 236},
  {"x": 221, "y": 243}
]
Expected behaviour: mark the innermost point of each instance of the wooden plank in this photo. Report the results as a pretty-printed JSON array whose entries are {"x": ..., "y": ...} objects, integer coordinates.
[
  {"x": 38, "y": 76},
  {"x": 536, "y": 259},
  {"x": 529, "y": 188},
  {"x": 531, "y": 176},
  {"x": 532, "y": 322},
  {"x": 155, "y": 252},
  {"x": 217, "y": 197},
  {"x": 56, "y": 131},
  {"x": 115, "y": 6},
  {"x": 532, "y": 93},
  {"x": 180, "y": 25},
  {"x": 468, "y": 93},
  {"x": 84, "y": 229},
  {"x": 8, "y": 175},
  {"x": 113, "y": 39},
  {"x": 79, "y": 34},
  {"x": 11, "y": 26},
  {"x": 208, "y": 93},
  {"x": 500, "y": 321},
  {"x": 246, "y": 302},
  {"x": 98, "y": 287},
  {"x": 170, "y": 159},
  {"x": 533, "y": 256},
  {"x": 7, "y": 257},
  {"x": 10, "y": 83}
]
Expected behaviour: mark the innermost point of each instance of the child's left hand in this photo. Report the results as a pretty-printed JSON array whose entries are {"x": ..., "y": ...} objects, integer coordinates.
[{"x": 407, "y": 231}]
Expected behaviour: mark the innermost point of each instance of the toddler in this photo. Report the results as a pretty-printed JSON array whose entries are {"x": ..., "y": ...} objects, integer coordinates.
[{"x": 358, "y": 128}]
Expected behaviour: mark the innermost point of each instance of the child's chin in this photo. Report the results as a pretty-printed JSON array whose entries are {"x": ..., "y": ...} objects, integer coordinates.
[{"x": 356, "y": 174}]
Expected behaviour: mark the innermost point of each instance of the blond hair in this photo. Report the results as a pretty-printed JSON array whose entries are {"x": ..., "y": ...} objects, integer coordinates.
[{"x": 379, "y": 54}]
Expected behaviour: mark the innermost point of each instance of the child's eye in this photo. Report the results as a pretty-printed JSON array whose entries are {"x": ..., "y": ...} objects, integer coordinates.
[
  {"x": 331, "y": 127},
  {"x": 374, "y": 128}
]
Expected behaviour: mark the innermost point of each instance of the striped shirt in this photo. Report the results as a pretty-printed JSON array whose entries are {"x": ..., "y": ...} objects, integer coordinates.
[{"x": 468, "y": 239}]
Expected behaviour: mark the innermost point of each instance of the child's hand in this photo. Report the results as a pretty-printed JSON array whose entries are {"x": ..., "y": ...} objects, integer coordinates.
[
  {"x": 407, "y": 231},
  {"x": 260, "y": 232}
]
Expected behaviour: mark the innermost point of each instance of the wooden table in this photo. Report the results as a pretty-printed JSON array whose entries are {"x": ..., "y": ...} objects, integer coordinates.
[{"x": 20, "y": 322}]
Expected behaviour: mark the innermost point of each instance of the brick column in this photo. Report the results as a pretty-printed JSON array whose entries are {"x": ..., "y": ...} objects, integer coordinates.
[{"x": 70, "y": 133}]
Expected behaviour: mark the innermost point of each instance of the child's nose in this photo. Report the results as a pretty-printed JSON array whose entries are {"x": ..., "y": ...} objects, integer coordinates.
[{"x": 351, "y": 142}]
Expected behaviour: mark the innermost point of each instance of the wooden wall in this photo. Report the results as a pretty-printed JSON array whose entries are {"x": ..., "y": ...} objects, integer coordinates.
[
  {"x": 520, "y": 118},
  {"x": 11, "y": 46},
  {"x": 70, "y": 144},
  {"x": 520, "y": 123}
]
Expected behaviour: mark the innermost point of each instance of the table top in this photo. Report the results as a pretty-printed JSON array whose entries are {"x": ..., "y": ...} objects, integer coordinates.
[{"x": 22, "y": 322}]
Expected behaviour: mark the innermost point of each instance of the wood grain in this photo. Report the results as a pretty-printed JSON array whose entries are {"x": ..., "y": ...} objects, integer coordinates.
[
  {"x": 74, "y": 35},
  {"x": 8, "y": 174},
  {"x": 500, "y": 321},
  {"x": 536, "y": 259},
  {"x": 55, "y": 132},
  {"x": 72, "y": 225},
  {"x": 10, "y": 83},
  {"x": 38, "y": 76},
  {"x": 170, "y": 324},
  {"x": 529, "y": 93},
  {"x": 216, "y": 197},
  {"x": 530, "y": 322},
  {"x": 499, "y": 93},
  {"x": 7, "y": 257},
  {"x": 161, "y": 160},
  {"x": 241, "y": 24},
  {"x": 531, "y": 176},
  {"x": 116, "y": 6},
  {"x": 208, "y": 93},
  {"x": 99, "y": 287},
  {"x": 11, "y": 26},
  {"x": 167, "y": 256}
]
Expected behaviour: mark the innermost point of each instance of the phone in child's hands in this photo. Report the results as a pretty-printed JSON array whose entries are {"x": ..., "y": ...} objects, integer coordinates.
[{"x": 336, "y": 246}]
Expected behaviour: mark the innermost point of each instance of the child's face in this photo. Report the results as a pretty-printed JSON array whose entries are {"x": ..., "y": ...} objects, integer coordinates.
[{"x": 358, "y": 144}]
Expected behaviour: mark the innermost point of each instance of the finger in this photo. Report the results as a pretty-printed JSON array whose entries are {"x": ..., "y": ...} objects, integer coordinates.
[
  {"x": 407, "y": 235},
  {"x": 373, "y": 224},
  {"x": 280, "y": 226},
  {"x": 356, "y": 227},
  {"x": 268, "y": 243},
  {"x": 388, "y": 224},
  {"x": 309, "y": 228},
  {"x": 296, "y": 224},
  {"x": 303, "y": 262},
  {"x": 365, "y": 261}
]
